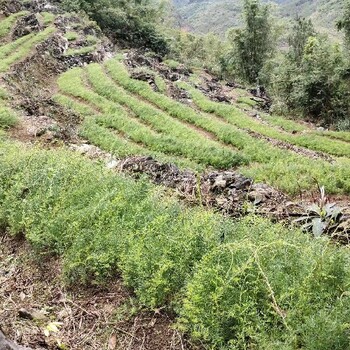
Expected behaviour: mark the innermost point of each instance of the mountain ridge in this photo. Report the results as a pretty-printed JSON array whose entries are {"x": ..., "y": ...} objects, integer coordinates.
[{"x": 204, "y": 16}]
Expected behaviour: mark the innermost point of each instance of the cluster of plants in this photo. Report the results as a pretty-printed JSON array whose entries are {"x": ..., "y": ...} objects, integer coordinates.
[
  {"x": 203, "y": 51},
  {"x": 131, "y": 23},
  {"x": 275, "y": 166},
  {"x": 312, "y": 78},
  {"x": 144, "y": 123},
  {"x": 322, "y": 216},
  {"x": 235, "y": 116},
  {"x": 114, "y": 141},
  {"x": 234, "y": 285},
  {"x": 295, "y": 127},
  {"x": 125, "y": 116}
]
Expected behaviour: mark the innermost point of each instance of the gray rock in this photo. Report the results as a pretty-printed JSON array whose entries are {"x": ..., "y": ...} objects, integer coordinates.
[
  {"x": 26, "y": 25},
  {"x": 7, "y": 345},
  {"x": 112, "y": 164}
]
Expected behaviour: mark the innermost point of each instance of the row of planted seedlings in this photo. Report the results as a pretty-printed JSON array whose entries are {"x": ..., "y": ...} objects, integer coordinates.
[
  {"x": 294, "y": 126},
  {"x": 142, "y": 123},
  {"x": 232, "y": 115},
  {"x": 281, "y": 168},
  {"x": 14, "y": 51},
  {"x": 235, "y": 116},
  {"x": 246, "y": 284},
  {"x": 112, "y": 141},
  {"x": 290, "y": 124}
]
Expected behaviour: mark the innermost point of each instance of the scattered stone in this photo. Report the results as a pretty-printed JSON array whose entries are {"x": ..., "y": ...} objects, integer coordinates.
[
  {"x": 56, "y": 46},
  {"x": 90, "y": 151},
  {"x": 9, "y": 7},
  {"x": 146, "y": 77},
  {"x": 26, "y": 25},
  {"x": 13, "y": 6},
  {"x": 31, "y": 314},
  {"x": 40, "y": 125},
  {"x": 113, "y": 164},
  {"x": 226, "y": 191},
  {"x": 23, "y": 313},
  {"x": 38, "y": 315}
]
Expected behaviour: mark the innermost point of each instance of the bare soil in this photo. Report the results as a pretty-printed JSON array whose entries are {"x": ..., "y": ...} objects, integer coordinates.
[{"x": 33, "y": 296}]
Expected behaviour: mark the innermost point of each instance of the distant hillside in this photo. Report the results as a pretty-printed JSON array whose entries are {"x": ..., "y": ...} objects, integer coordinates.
[{"x": 217, "y": 16}]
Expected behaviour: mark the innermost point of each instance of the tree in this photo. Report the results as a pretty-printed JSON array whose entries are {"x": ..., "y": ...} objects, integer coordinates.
[
  {"x": 344, "y": 23},
  {"x": 128, "y": 22},
  {"x": 302, "y": 30},
  {"x": 316, "y": 86},
  {"x": 252, "y": 44}
]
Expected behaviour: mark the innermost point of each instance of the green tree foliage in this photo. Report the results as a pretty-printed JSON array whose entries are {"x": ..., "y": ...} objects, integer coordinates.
[
  {"x": 133, "y": 23},
  {"x": 301, "y": 31},
  {"x": 344, "y": 23},
  {"x": 311, "y": 79},
  {"x": 251, "y": 46},
  {"x": 203, "y": 51}
]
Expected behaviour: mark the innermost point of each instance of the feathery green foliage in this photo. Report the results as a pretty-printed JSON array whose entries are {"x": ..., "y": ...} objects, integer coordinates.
[
  {"x": 269, "y": 288},
  {"x": 235, "y": 116},
  {"x": 234, "y": 284},
  {"x": 145, "y": 119}
]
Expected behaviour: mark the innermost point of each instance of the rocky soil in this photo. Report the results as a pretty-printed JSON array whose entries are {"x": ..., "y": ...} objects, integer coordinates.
[
  {"x": 32, "y": 82},
  {"x": 228, "y": 192}
]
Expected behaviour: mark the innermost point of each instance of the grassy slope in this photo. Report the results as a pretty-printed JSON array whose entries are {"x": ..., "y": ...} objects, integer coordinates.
[
  {"x": 281, "y": 168},
  {"x": 151, "y": 123},
  {"x": 14, "y": 51}
]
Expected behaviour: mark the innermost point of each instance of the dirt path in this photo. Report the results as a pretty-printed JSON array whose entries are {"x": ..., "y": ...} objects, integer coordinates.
[{"x": 290, "y": 147}]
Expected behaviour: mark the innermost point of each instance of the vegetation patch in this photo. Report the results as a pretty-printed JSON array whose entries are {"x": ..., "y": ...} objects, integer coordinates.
[
  {"x": 19, "y": 49},
  {"x": 80, "y": 51},
  {"x": 7, "y": 118},
  {"x": 234, "y": 284}
]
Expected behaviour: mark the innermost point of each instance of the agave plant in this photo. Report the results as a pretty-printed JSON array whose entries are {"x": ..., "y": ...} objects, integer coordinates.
[{"x": 321, "y": 217}]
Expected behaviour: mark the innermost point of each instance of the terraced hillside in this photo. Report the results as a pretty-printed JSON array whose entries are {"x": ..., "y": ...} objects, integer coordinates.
[
  {"x": 93, "y": 258},
  {"x": 126, "y": 116}
]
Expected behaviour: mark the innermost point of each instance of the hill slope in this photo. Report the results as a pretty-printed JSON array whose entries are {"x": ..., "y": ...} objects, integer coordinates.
[
  {"x": 203, "y": 16},
  {"x": 95, "y": 226}
]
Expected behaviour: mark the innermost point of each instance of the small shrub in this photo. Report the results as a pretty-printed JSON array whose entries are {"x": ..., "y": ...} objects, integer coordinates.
[
  {"x": 343, "y": 125},
  {"x": 8, "y": 118},
  {"x": 270, "y": 288},
  {"x": 71, "y": 36}
]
